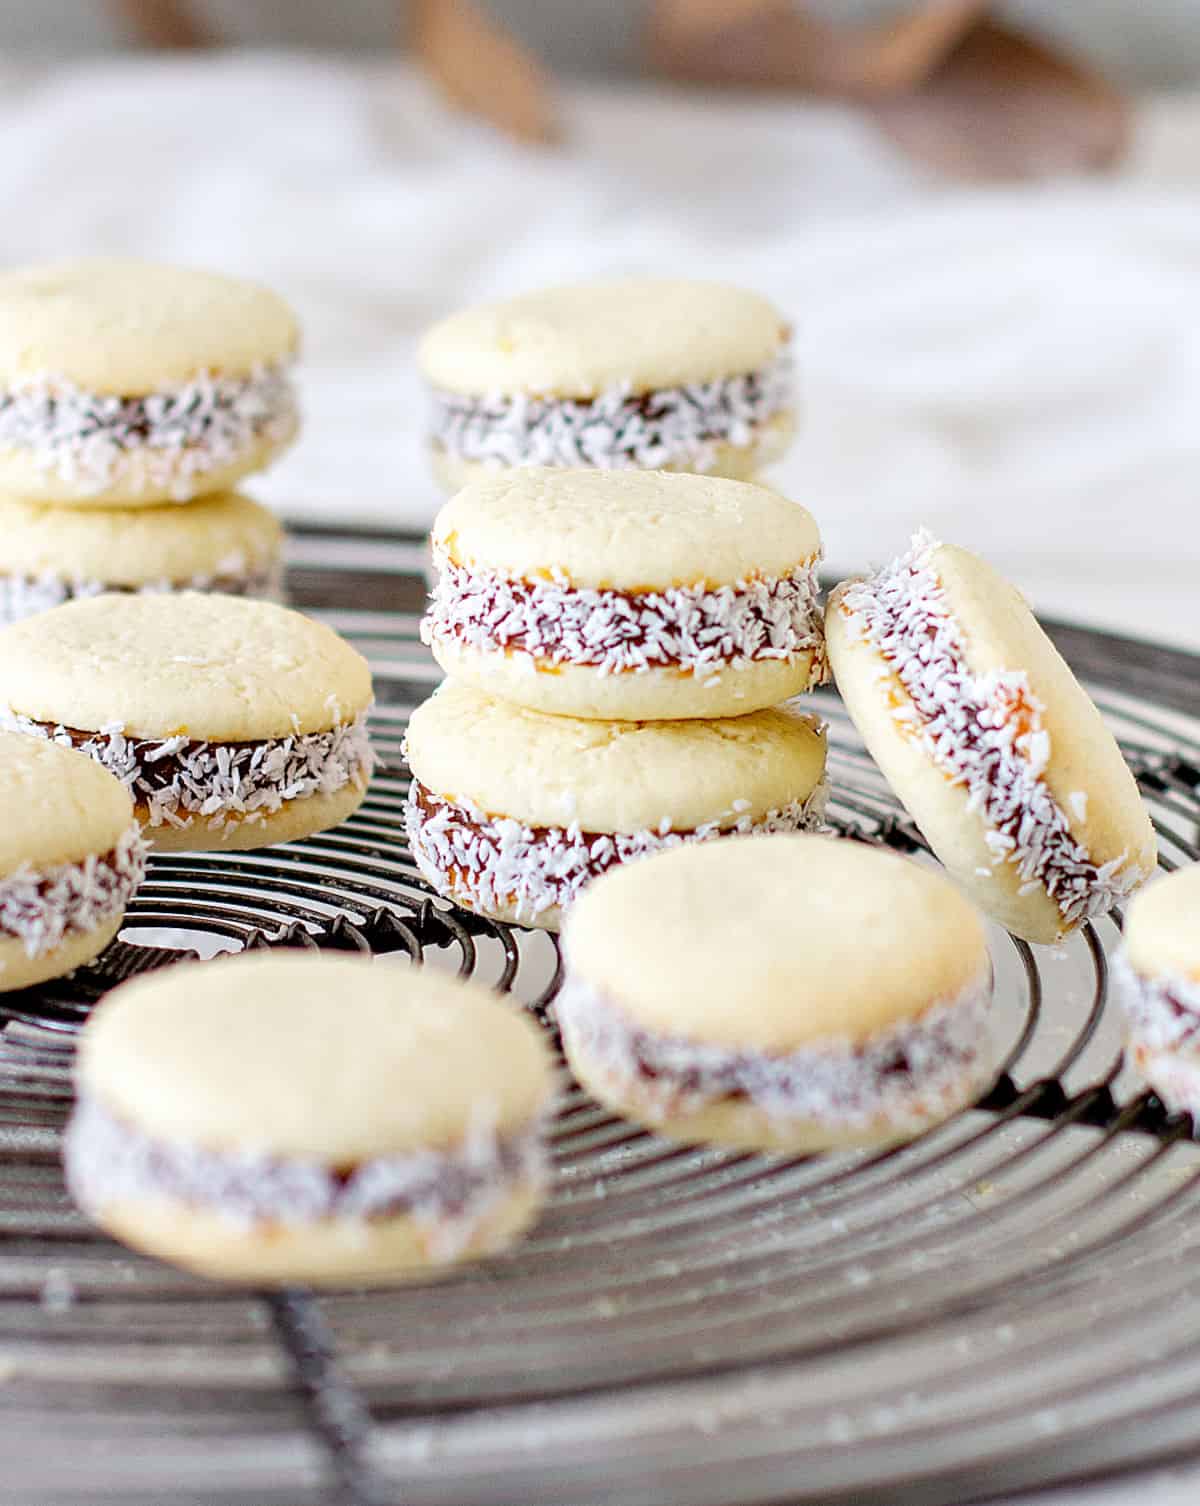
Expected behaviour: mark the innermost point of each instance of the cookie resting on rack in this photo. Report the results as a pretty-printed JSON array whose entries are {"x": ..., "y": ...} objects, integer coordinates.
[
  {"x": 71, "y": 857},
  {"x": 286, "y": 1117},
  {"x": 779, "y": 993},
  {"x": 989, "y": 741},
  {"x": 639, "y": 374},
  {"x": 233, "y": 723},
  {"x": 627, "y": 596},
  {"x": 51, "y": 555},
  {"x": 512, "y": 812},
  {"x": 1158, "y": 977},
  {"x": 124, "y": 383}
]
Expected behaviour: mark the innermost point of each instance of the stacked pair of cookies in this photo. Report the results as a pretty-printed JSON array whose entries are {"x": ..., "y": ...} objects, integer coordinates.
[{"x": 127, "y": 388}]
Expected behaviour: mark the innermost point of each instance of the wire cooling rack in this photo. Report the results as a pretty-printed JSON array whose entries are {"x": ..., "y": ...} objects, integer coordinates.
[{"x": 1012, "y": 1300}]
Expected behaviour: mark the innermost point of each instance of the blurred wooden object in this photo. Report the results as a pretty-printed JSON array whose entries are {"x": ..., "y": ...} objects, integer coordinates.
[
  {"x": 483, "y": 70},
  {"x": 956, "y": 89},
  {"x": 162, "y": 23}
]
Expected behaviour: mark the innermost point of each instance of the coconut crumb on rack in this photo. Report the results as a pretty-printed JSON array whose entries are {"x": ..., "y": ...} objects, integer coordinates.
[
  {"x": 903, "y": 1075},
  {"x": 172, "y": 437},
  {"x": 176, "y": 780},
  {"x": 452, "y": 1191},
  {"x": 695, "y": 629},
  {"x": 985, "y": 731},
  {"x": 498, "y": 862},
  {"x": 40, "y": 907},
  {"x": 619, "y": 429}
]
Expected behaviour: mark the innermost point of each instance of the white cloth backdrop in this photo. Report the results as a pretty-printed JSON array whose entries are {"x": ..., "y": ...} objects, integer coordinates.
[{"x": 1018, "y": 368}]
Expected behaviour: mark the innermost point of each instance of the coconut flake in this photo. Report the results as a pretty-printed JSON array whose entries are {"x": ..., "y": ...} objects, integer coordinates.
[
  {"x": 219, "y": 781},
  {"x": 24, "y": 596},
  {"x": 985, "y": 732},
  {"x": 1163, "y": 1011},
  {"x": 619, "y": 429},
  {"x": 693, "y": 629},
  {"x": 174, "y": 437},
  {"x": 451, "y": 1192},
  {"x": 496, "y": 862},
  {"x": 903, "y": 1076},
  {"x": 40, "y": 907}
]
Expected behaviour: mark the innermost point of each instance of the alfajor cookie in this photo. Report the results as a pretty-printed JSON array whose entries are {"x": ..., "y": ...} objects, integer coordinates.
[
  {"x": 296, "y": 1118},
  {"x": 646, "y": 374},
  {"x": 71, "y": 856},
  {"x": 983, "y": 732},
  {"x": 232, "y": 723},
  {"x": 50, "y": 555},
  {"x": 631, "y": 596},
  {"x": 512, "y": 812},
  {"x": 1158, "y": 978},
  {"x": 124, "y": 383},
  {"x": 783, "y": 993}
]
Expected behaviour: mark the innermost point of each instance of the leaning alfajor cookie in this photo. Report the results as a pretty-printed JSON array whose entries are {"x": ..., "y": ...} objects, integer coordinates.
[
  {"x": 51, "y": 555},
  {"x": 645, "y": 374},
  {"x": 512, "y": 812},
  {"x": 1158, "y": 974},
  {"x": 71, "y": 856},
  {"x": 993, "y": 746},
  {"x": 787, "y": 993},
  {"x": 232, "y": 723},
  {"x": 124, "y": 383},
  {"x": 635, "y": 596},
  {"x": 289, "y": 1118}
]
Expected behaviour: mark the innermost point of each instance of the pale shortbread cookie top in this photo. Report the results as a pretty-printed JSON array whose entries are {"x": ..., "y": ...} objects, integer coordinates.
[
  {"x": 1162, "y": 927},
  {"x": 773, "y": 943},
  {"x": 611, "y": 776},
  {"x": 225, "y": 535},
  {"x": 56, "y": 805},
  {"x": 625, "y": 530},
  {"x": 1087, "y": 774},
  {"x": 122, "y": 327},
  {"x": 331, "y": 1058},
  {"x": 578, "y": 341},
  {"x": 221, "y": 668}
]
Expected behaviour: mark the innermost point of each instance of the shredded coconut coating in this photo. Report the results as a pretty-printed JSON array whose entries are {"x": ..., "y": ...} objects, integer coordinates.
[
  {"x": 692, "y": 629},
  {"x": 985, "y": 732},
  {"x": 902, "y": 1076},
  {"x": 1163, "y": 1012},
  {"x": 24, "y": 596},
  {"x": 40, "y": 907},
  {"x": 178, "y": 434},
  {"x": 620, "y": 429},
  {"x": 110, "y": 1161},
  {"x": 176, "y": 781},
  {"x": 494, "y": 862}
]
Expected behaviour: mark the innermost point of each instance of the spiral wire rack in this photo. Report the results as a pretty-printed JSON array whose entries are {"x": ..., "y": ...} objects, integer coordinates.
[{"x": 1012, "y": 1300}]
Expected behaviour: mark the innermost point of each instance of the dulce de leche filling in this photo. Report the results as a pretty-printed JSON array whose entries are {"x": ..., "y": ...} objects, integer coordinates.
[
  {"x": 41, "y": 907},
  {"x": 497, "y": 863},
  {"x": 24, "y": 596},
  {"x": 900, "y": 1075},
  {"x": 175, "y": 781},
  {"x": 109, "y": 1161},
  {"x": 691, "y": 629}
]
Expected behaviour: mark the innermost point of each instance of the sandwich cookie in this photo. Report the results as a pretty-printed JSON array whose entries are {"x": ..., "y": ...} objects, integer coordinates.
[
  {"x": 1158, "y": 978},
  {"x": 511, "y": 812},
  {"x": 635, "y": 596},
  {"x": 124, "y": 383},
  {"x": 49, "y": 555},
  {"x": 71, "y": 856},
  {"x": 787, "y": 993},
  {"x": 643, "y": 374},
  {"x": 232, "y": 723},
  {"x": 988, "y": 739},
  {"x": 297, "y": 1118}
]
